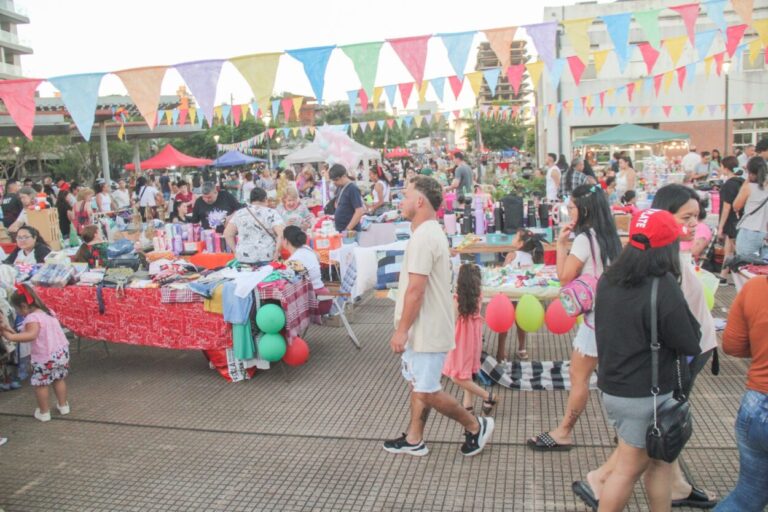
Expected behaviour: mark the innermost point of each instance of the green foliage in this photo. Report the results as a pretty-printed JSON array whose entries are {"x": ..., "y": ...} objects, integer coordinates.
[
  {"x": 519, "y": 186},
  {"x": 498, "y": 135}
]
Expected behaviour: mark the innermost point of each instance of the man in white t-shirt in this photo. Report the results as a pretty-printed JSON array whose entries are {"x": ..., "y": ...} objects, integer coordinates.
[
  {"x": 121, "y": 196},
  {"x": 553, "y": 177},
  {"x": 749, "y": 152},
  {"x": 690, "y": 161},
  {"x": 424, "y": 324}
]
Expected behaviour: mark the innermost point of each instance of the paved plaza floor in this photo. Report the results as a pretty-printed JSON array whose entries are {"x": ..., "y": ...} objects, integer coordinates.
[{"x": 155, "y": 429}]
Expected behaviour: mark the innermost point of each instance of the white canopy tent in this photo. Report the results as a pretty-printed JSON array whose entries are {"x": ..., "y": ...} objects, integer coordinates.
[{"x": 313, "y": 152}]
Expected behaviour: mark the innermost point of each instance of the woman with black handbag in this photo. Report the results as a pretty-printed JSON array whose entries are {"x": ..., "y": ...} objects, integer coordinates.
[{"x": 643, "y": 280}]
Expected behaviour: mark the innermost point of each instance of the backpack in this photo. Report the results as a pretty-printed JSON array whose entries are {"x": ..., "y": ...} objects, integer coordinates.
[{"x": 578, "y": 296}]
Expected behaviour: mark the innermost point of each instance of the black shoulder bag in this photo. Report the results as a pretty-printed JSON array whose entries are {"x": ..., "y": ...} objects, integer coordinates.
[{"x": 672, "y": 423}]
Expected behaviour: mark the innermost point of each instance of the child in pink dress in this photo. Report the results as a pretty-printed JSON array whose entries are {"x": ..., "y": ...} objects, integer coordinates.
[
  {"x": 464, "y": 360},
  {"x": 50, "y": 349}
]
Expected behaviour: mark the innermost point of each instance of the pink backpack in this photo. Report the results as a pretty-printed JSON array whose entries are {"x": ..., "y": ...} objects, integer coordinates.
[{"x": 578, "y": 296}]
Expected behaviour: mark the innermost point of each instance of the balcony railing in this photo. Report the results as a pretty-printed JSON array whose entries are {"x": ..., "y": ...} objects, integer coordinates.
[
  {"x": 8, "y": 37},
  {"x": 10, "y": 70},
  {"x": 12, "y": 7}
]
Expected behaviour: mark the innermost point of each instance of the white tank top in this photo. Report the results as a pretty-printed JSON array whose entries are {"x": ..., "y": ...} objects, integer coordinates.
[
  {"x": 385, "y": 188},
  {"x": 551, "y": 186},
  {"x": 621, "y": 184}
]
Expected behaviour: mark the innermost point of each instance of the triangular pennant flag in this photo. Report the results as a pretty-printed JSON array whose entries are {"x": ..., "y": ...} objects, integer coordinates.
[
  {"x": 223, "y": 112},
  {"x": 202, "y": 77},
  {"x": 408, "y": 121},
  {"x": 286, "y": 131},
  {"x": 418, "y": 120},
  {"x": 755, "y": 46},
  {"x": 534, "y": 72},
  {"x": 405, "y": 92},
  {"x": 295, "y": 131},
  {"x": 423, "y": 91},
  {"x": 500, "y": 40},
  {"x": 143, "y": 86},
  {"x": 700, "y": 109},
  {"x": 352, "y": 98},
  {"x": 297, "y": 102},
  {"x": 365, "y": 59},
  {"x": 715, "y": 11},
  {"x": 667, "y": 109},
  {"x": 380, "y": 123},
  {"x": 19, "y": 99},
  {"x": 719, "y": 62},
  {"x": 632, "y": 110},
  {"x": 413, "y": 53},
  {"x": 475, "y": 80},
  {"x": 456, "y": 84},
  {"x": 618, "y": 28},
  {"x": 649, "y": 21},
  {"x": 644, "y": 110},
  {"x": 669, "y": 76},
  {"x": 708, "y": 66},
  {"x": 303, "y": 130},
  {"x": 168, "y": 117},
  {"x": 492, "y": 79},
  {"x": 704, "y": 42},
  {"x": 80, "y": 93},
  {"x": 390, "y": 90},
  {"x": 458, "y": 45},
  {"x": 270, "y": 132},
  {"x": 121, "y": 131},
  {"x": 630, "y": 90},
  {"x": 657, "y": 83},
  {"x": 183, "y": 113},
  {"x": 577, "y": 68},
  {"x": 363, "y": 127},
  {"x": 315, "y": 61},
  {"x": 515, "y": 77},
  {"x": 737, "y": 55},
  {"x": 237, "y": 110},
  {"x": 733, "y": 38},
  {"x": 600, "y": 57},
  {"x": 761, "y": 27},
  {"x": 601, "y": 95},
  {"x": 556, "y": 71},
  {"x": 748, "y": 108},
  {"x": 275, "y": 109},
  {"x": 689, "y": 13},
  {"x": 428, "y": 118},
  {"x": 390, "y": 122},
  {"x": 690, "y": 72},
  {"x": 244, "y": 109},
  {"x": 744, "y": 9},
  {"x": 377, "y": 96},
  {"x": 399, "y": 122},
  {"x": 543, "y": 36},
  {"x": 363, "y": 100},
  {"x": 192, "y": 115},
  {"x": 577, "y": 32},
  {"x": 371, "y": 124},
  {"x": 558, "y": 108},
  {"x": 438, "y": 85},
  {"x": 611, "y": 110},
  {"x": 650, "y": 55},
  {"x": 259, "y": 71},
  {"x": 287, "y": 105},
  {"x": 674, "y": 46},
  {"x": 681, "y": 71}
]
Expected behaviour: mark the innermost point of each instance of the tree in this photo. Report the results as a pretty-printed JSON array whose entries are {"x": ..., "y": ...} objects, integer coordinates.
[{"x": 498, "y": 135}]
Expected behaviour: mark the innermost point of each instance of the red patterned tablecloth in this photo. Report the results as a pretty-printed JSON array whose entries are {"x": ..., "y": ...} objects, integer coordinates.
[{"x": 299, "y": 302}]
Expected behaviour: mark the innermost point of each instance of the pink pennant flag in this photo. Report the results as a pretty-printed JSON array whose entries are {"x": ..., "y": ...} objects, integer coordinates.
[
  {"x": 657, "y": 83},
  {"x": 583, "y": 102},
  {"x": 363, "y": 97},
  {"x": 681, "y": 72},
  {"x": 590, "y": 110},
  {"x": 734, "y": 34},
  {"x": 19, "y": 99},
  {"x": 667, "y": 109},
  {"x": 630, "y": 90},
  {"x": 413, "y": 53},
  {"x": 455, "y": 114},
  {"x": 405, "y": 92},
  {"x": 719, "y": 62},
  {"x": 183, "y": 113},
  {"x": 287, "y": 105},
  {"x": 602, "y": 99},
  {"x": 689, "y": 13},
  {"x": 515, "y": 110},
  {"x": 237, "y": 112},
  {"x": 390, "y": 122},
  {"x": 748, "y": 107},
  {"x": 270, "y": 132},
  {"x": 456, "y": 84},
  {"x": 650, "y": 55},
  {"x": 577, "y": 68},
  {"x": 515, "y": 76}
]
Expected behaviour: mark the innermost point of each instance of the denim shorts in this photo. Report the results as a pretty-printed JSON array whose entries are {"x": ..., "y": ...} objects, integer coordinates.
[
  {"x": 585, "y": 341},
  {"x": 631, "y": 416},
  {"x": 423, "y": 370},
  {"x": 751, "y": 243}
]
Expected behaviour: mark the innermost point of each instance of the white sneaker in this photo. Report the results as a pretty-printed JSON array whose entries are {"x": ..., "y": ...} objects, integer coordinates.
[
  {"x": 42, "y": 417},
  {"x": 63, "y": 409}
]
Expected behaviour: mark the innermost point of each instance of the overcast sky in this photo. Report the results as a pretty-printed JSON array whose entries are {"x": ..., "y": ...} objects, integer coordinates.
[{"x": 79, "y": 36}]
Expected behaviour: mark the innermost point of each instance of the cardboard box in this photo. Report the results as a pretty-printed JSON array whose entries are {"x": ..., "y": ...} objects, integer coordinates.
[{"x": 47, "y": 223}]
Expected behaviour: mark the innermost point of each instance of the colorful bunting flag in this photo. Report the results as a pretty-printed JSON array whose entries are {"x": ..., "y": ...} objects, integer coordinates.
[
  {"x": 650, "y": 55},
  {"x": 492, "y": 79},
  {"x": 202, "y": 77},
  {"x": 475, "y": 80},
  {"x": 458, "y": 45},
  {"x": 681, "y": 71},
  {"x": 405, "y": 92},
  {"x": 577, "y": 68},
  {"x": 733, "y": 37},
  {"x": 754, "y": 49},
  {"x": 515, "y": 77},
  {"x": 761, "y": 27},
  {"x": 363, "y": 100},
  {"x": 669, "y": 76},
  {"x": 287, "y": 105},
  {"x": 618, "y": 28},
  {"x": 689, "y": 13},
  {"x": 456, "y": 84},
  {"x": 413, "y": 54},
  {"x": 315, "y": 61},
  {"x": 377, "y": 96},
  {"x": 352, "y": 98},
  {"x": 80, "y": 93},
  {"x": 600, "y": 57},
  {"x": 556, "y": 72},
  {"x": 390, "y": 90},
  {"x": 500, "y": 40},
  {"x": 237, "y": 111},
  {"x": 143, "y": 86},
  {"x": 716, "y": 12},
  {"x": 744, "y": 9},
  {"x": 259, "y": 71},
  {"x": 19, "y": 99},
  {"x": 577, "y": 32},
  {"x": 423, "y": 91},
  {"x": 543, "y": 36},
  {"x": 631, "y": 90},
  {"x": 297, "y": 102},
  {"x": 275, "y": 109},
  {"x": 438, "y": 85},
  {"x": 674, "y": 46},
  {"x": 704, "y": 41},
  {"x": 649, "y": 22},
  {"x": 365, "y": 59},
  {"x": 534, "y": 72}
]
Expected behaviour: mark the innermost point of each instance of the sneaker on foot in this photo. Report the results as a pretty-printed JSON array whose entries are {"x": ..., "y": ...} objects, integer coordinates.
[
  {"x": 401, "y": 445},
  {"x": 3, "y": 440},
  {"x": 723, "y": 281},
  {"x": 42, "y": 416},
  {"x": 63, "y": 409},
  {"x": 15, "y": 384},
  {"x": 474, "y": 443}
]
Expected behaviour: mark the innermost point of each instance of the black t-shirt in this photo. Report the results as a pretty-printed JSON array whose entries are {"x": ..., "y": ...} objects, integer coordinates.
[
  {"x": 728, "y": 193},
  {"x": 12, "y": 206},
  {"x": 165, "y": 184},
  {"x": 623, "y": 333},
  {"x": 349, "y": 200},
  {"x": 213, "y": 216}
]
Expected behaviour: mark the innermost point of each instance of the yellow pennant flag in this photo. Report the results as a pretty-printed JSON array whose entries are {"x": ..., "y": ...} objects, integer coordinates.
[
  {"x": 599, "y": 58},
  {"x": 121, "y": 131},
  {"x": 609, "y": 92},
  {"x": 675, "y": 46},
  {"x": 259, "y": 70},
  {"x": 761, "y": 27},
  {"x": 295, "y": 131},
  {"x": 534, "y": 72},
  {"x": 192, "y": 115},
  {"x": 377, "y": 96},
  {"x": 475, "y": 81},
  {"x": 169, "y": 117},
  {"x": 667, "y": 80},
  {"x": 621, "y": 110},
  {"x": 577, "y": 33},
  {"x": 700, "y": 109},
  {"x": 588, "y": 103},
  {"x": 708, "y": 65},
  {"x": 244, "y": 109},
  {"x": 217, "y": 113},
  {"x": 423, "y": 91},
  {"x": 297, "y": 101},
  {"x": 754, "y": 49}
]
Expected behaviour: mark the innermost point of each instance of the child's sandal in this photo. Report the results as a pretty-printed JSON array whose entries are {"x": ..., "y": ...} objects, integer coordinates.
[{"x": 488, "y": 405}]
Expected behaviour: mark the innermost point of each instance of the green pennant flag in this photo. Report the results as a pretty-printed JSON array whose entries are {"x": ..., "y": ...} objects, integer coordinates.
[
  {"x": 365, "y": 59},
  {"x": 649, "y": 21}
]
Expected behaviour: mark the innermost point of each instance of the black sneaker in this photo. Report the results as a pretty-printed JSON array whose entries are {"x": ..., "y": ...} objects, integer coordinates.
[
  {"x": 474, "y": 443},
  {"x": 723, "y": 281},
  {"x": 400, "y": 445}
]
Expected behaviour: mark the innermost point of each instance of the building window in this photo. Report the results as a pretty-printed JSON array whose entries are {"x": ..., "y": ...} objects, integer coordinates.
[
  {"x": 759, "y": 64},
  {"x": 749, "y": 131}
]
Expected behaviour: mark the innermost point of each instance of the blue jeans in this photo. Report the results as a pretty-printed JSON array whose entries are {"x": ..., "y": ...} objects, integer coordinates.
[
  {"x": 751, "y": 491},
  {"x": 751, "y": 243}
]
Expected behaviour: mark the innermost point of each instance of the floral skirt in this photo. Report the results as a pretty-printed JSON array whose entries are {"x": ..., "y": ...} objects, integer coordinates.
[{"x": 56, "y": 368}]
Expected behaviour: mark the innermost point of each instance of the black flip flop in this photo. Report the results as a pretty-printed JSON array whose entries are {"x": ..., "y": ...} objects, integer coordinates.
[
  {"x": 584, "y": 492},
  {"x": 546, "y": 443},
  {"x": 697, "y": 499}
]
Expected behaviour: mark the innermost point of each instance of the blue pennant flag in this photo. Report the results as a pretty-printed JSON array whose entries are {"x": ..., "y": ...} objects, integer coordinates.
[
  {"x": 492, "y": 79},
  {"x": 408, "y": 120},
  {"x": 704, "y": 42},
  {"x": 690, "y": 73},
  {"x": 315, "y": 61},
  {"x": 556, "y": 71},
  {"x": 689, "y": 110},
  {"x": 648, "y": 85},
  {"x": 611, "y": 110},
  {"x": 175, "y": 116},
  {"x": 344, "y": 127},
  {"x": 715, "y": 11},
  {"x": 390, "y": 91},
  {"x": 458, "y": 46},
  {"x": 558, "y": 107},
  {"x": 226, "y": 110},
  {"x": 737, "y": 56},
  {"x": 275, "y": 109},
  {"x": 352, "y": 95},
  {"x": 80, "y": 93},
  {"x": 438, "y": 84},
  {"x": 618, "y": 28},
  {"x": 286, "y": 132},
  {"x": 380, "y": 122}
]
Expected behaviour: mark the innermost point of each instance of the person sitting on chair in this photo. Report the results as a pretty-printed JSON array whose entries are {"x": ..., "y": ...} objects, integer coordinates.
[{"x": 295, "y": 242}]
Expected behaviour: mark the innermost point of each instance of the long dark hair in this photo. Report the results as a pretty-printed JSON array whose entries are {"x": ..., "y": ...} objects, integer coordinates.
[
  {"x": 595, "y": 213},
  {"x": 562, "y": 163},
  {"x": 672, "y": 197},
  {"x": 532, "y": 245},
  {"x": 757, "y": 167},
  {"x": 468, "y": 289},
  {"x": 18, "y": 299},
  {"x": 634, "y": 265}
]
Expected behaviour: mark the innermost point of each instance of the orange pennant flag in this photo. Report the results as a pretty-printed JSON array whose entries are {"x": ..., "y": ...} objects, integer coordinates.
[
  {"x": 500, "y": 40},
  {"x": 143, "y": 86},
  {"x": 744, "y": 9}
]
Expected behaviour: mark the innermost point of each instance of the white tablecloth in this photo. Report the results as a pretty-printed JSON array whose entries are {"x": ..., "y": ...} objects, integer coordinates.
[{"x": 365, "y": 260}]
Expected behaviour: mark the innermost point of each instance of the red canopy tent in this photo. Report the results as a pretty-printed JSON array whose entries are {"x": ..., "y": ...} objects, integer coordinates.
[
  {"x": 170, "y": 157},
  {"x": 398, "y": 153}
]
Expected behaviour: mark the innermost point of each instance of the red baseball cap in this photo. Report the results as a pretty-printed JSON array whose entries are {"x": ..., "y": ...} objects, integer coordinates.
[{"x": 653, "y": 228}]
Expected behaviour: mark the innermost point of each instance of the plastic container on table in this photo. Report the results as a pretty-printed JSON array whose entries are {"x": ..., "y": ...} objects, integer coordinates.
[{"x": 498, "y": 239}]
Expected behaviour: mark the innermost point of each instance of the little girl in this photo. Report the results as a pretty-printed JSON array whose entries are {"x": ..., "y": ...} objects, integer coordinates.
[
  {"x": 50, "y": 349},
  {"x": 464, "y": 360},
  {"x": 528, "y": 251}
]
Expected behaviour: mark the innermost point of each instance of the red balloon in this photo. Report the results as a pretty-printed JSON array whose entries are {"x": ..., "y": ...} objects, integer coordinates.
[
  {"x": 557, "y": 319},
  {"x": 297, "y": 352},
  {"x": 500, "y": 314}
]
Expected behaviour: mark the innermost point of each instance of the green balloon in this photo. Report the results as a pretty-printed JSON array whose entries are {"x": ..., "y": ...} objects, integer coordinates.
[
  {"x": 271, "y": 347},
  {"x": 270, "y": 318},
  {"x": 529, "y": 313}
]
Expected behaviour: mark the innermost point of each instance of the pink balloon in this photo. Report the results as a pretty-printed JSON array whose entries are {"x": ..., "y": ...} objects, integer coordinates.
[
  {"x": 557, "y": 319},
  {"x": 500, "y": 314}
]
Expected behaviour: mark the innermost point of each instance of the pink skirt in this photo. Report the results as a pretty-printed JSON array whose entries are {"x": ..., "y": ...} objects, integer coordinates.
[{"x": 464, "y": 360}]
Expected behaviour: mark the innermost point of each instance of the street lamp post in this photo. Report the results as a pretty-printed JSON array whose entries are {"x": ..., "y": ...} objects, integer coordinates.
[
  {"x": 216, "y": 140},
  {"x": 16, "y": 150},
  {"x": 726, "y": 145}
]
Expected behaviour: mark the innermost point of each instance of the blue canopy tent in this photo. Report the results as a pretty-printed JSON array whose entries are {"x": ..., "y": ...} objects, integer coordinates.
[{"x": 234, "y": 158}]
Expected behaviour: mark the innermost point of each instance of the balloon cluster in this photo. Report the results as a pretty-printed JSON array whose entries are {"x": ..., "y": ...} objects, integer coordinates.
[
  {"x": 270, "y": 319},
  {"x": 337, "y": 148},
  {"x": 530, "y": 315}
]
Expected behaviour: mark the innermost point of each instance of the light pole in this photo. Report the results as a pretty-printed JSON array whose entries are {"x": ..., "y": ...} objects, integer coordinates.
[
  {"x": 726, "y": 68},
  {"x": 216, "y": 140},
  {"x": 16, "y": 150}
]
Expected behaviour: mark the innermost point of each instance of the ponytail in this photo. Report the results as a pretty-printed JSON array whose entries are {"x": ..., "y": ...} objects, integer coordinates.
[{"x": 25, "y": 295}]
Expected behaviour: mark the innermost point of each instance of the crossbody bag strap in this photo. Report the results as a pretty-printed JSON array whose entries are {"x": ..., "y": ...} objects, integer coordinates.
[
  {"x": 753, "y": 211},
  {"x": 655, "y": 347},
  {"x": 592, "y": 251},
  {"x": 263, "y": 227}
]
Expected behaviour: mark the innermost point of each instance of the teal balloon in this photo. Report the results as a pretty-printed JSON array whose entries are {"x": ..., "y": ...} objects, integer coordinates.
[
  {"x": 271, "y": 347},
  {"x": 530, "y": 313},
  {"x": 270, "y": 318}
]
